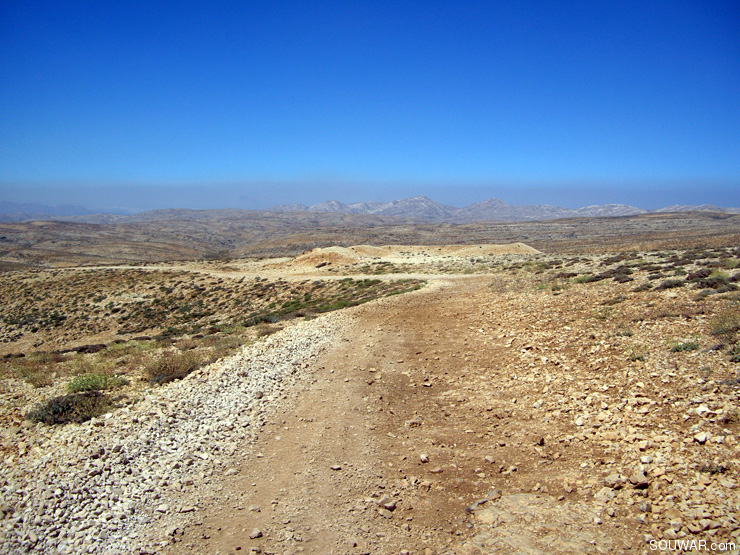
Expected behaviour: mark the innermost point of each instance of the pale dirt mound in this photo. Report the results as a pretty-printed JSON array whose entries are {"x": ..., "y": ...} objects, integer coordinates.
[
  {"x": 352, "y": 255},
  {"x": 331, "y": 255},
  {"x": 453, "y": 250}
]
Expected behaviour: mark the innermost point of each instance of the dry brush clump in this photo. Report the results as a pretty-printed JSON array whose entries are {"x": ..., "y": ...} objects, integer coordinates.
[
  {"x": 170, "y": 366},
  {"x": 726, "y": 324}
]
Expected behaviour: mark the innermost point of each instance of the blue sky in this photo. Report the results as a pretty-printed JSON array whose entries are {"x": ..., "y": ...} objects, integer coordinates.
[{"x": 242, "y": 104}]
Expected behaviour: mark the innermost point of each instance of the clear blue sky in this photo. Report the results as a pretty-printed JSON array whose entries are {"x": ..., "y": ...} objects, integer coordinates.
[{"x": 246, "y": 104}]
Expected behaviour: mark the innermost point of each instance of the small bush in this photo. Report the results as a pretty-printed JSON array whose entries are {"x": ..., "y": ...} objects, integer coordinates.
[
  {"x": 637, "y": 353},
  {"x": 643, "y": 287},
  {"x": 727, "y": 288},
  {"x": 615, "y": 300},
  {"x": 95, "y": 382},
  {"x": 263, "y": 329},
  {"x": 36, "y": 369},
  {"x": 585, "y": 278},
  {"x": 670, "y": 284},
  {"x": 726, "y": 324},
  {"x": 174, "y": 366},
  {"x": 686, "y": 346},
  {"x": 703, "y": 294},
  {"x": 78, "y": 407},
  {"x": 714, "y": 281},
  {"x": 735, "y": 353},
  {"x": 699, "y": 274}
]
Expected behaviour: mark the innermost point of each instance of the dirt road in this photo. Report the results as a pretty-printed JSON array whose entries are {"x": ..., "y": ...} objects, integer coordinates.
[{"x": 403, "y": 431}]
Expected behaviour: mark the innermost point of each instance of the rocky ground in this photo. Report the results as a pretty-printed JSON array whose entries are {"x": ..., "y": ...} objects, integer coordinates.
[{"x": 547, "y": 405}]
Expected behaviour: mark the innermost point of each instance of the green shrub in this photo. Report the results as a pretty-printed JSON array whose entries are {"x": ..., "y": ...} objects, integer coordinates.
[
  {"x": 703, "y": 294},
  {"x": 684, "y": 347},
  {"x": 95, "y": 382},
  {"x": 78, "y": 407}
]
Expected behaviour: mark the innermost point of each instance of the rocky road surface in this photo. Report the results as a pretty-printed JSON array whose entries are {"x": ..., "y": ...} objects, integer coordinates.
[{"x": 476, "y": 415}]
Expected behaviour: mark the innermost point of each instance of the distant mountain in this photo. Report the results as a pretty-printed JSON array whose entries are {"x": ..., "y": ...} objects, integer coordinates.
[
  {"x": 332, "y": 206},
  {"x": 699, "y": 208},
  {"x": 421, "y": 208},
  {"x": 7, "y": 207},
  {"x": 417, "y": 208},
  {"x": 366, "y": 207},
  {"x": 19, "y": 211},
  {"x": 608, "y": 210},
  {"x": 497, "y": 210},
  {"x": 288, "y": 208}
]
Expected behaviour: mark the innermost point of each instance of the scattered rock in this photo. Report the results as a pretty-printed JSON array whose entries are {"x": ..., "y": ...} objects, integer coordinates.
[
  {"x": 639, "y": 480},
  {"x": 701, "y": 437}
]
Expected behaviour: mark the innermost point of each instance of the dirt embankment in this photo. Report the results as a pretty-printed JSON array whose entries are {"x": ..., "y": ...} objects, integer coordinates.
[{"x": 404, "y": 253}]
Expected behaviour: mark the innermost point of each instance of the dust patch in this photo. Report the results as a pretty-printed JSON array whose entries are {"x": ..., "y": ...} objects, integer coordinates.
[{"x": 537, "y": 525}]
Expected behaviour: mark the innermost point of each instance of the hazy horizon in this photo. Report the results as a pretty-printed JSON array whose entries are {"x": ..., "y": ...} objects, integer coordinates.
[{"x": 133, "y": 198}]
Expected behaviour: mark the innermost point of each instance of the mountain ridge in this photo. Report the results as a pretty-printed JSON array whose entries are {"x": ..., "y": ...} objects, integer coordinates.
[
  {"x": 419, "y": 209},
  {"x": 425, "y": 209}
]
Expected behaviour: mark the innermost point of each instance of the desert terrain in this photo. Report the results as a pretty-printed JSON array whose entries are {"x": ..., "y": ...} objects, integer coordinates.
[{"x": 558, "y": 387}]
